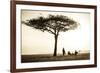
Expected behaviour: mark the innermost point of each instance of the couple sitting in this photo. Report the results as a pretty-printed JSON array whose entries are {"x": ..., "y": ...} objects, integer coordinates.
[{"x": 75, "y": 53}]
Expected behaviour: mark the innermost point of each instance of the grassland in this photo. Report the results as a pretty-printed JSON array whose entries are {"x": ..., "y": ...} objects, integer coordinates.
[{"x": 49, "y": 57}]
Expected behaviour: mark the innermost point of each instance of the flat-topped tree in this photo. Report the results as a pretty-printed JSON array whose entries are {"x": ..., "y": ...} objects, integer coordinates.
[{"x": 52, "y": 24}]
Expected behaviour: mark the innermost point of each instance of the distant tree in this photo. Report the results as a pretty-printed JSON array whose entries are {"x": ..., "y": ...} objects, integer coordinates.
[{"x": 52, "y": 24}]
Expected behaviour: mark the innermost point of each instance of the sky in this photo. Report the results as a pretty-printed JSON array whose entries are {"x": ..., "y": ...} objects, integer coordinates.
[{"x": 37, "y": 42}]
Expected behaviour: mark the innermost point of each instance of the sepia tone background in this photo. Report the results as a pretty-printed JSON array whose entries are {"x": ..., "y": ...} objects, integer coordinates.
[{"x": 37, "y": 42}]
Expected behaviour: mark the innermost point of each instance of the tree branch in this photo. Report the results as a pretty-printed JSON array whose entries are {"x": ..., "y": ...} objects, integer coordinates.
[{"x": 49, "y": 31}]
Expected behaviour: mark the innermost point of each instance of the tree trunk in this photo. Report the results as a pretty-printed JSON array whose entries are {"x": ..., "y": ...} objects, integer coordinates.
[{"x": 55, "y": 46}]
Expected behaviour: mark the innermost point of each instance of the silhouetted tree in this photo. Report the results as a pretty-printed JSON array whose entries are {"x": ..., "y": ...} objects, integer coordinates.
[{"x": 52, "y": 24}]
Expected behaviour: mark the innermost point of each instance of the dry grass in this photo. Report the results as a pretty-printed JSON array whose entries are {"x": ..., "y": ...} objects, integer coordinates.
[{"x": 49, "y": 57}]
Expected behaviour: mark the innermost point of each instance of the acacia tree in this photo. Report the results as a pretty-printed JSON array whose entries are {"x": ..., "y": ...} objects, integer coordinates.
[{"x": 53, "y": 24}]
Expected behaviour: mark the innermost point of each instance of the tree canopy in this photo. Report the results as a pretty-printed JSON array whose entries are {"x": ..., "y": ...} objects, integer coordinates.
[{"x": 52, "y": 24}]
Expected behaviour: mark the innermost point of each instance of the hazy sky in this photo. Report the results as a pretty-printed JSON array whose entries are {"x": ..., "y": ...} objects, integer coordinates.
[{"x": 38, "y": 42}]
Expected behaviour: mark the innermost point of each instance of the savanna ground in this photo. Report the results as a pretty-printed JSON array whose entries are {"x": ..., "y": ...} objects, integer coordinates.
[{"x": 49, "y": 57}]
